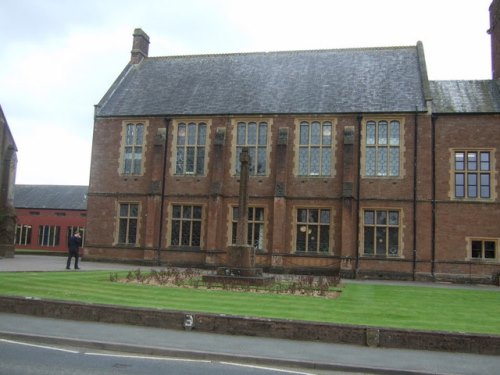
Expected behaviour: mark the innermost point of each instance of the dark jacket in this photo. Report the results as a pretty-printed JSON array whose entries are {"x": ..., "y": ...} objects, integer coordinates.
[{"x": 74, "y": 243}]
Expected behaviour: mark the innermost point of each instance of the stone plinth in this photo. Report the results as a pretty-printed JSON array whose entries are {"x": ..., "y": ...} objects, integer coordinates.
[
  {"x": 240, "y": 269},
  {"x": 241, "y": 256}
]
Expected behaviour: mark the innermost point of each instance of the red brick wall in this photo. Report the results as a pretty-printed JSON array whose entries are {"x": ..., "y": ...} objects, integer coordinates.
[
  {"x": 61, "y": 218},
  {"x": 219, "y": 189}
]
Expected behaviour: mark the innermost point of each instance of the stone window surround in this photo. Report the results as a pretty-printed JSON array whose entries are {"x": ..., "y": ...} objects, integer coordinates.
[
  {"x": 123, "y": 136},
  {"x": 402, "y": 148}
]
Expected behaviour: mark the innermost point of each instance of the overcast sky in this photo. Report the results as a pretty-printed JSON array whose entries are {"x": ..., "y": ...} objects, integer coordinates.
[{"x": 58, "y": 57}]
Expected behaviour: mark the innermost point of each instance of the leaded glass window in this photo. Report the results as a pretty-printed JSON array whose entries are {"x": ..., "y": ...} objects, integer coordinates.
[
  {"x": 255, "y": 226},
  {"x": 191, "y": 148},
  {"x": 128, "y": 217},
  {"x": 133, "y": 150},
  {"x": 186, "y": 226},
  {"x": 381, "y": 233},
  {"x": 313, "y": 230},
  {"x": 254, "y": 136},
  {"x": 472, "y": 174},
  {"x": 315, "y": 148},
  {"x": 382, "y": 148}
]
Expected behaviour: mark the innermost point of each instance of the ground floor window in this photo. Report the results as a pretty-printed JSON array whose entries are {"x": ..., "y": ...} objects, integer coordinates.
[
  {"x": 483, "y": 249},
  {"x": 127, "y": 223},
  {"x": 23, "y": 234},
  {"x": 381, "y": 233},
  {"x": 312, "y": 230},
  {"x": 186, "y": 225},
  {"x": 255, "y": 226},
  {"x": 48, "y": 235}
]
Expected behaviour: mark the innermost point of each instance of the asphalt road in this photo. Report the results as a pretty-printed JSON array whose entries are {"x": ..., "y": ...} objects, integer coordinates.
[{"x": 22, "y": 358}]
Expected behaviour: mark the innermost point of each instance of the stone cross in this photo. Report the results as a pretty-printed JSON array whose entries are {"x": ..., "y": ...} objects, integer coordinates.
[{"x": 242, "y": 225}]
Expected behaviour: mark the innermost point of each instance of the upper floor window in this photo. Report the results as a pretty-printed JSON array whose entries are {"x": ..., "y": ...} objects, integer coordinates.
[
  {"x": 128, "y": 223},
  {"x": 315, "y": 148},
  {"x": 382, "y": 146},
  {"x": 133, "y": 149},
  {"x": 473, "y": 174},
  {"x": 312, "y": 230},
  {"x": 255, "y": 226},
  {"x": 191, "y": 148},
  {"x": 254, "y": 136},
  {"x": 381, "y": 230},
  {"x": 186, "y": 225}
]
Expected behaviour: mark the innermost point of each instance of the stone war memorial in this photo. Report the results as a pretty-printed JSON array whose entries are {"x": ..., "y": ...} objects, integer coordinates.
[{"x": 240, "y": 268}]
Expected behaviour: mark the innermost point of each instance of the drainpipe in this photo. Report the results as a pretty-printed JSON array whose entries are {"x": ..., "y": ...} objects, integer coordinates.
[
  {"x": 358, "y": 194},
  {"x": 163, "y": 189},
  {"x": 415, "y": 171},
  {"x": 433, "y": 228}
]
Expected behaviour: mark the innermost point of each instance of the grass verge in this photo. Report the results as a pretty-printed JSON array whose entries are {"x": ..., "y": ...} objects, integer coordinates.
[{"x": 413, "y": 307}]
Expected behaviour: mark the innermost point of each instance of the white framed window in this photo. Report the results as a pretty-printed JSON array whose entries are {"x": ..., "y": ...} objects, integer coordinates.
[
  {"x": 49, "y": 235},
  {"x": 23, "y": 234}
]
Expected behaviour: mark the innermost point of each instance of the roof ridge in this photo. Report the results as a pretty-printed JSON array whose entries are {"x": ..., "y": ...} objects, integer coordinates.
[{"x": 281, "y": 52}]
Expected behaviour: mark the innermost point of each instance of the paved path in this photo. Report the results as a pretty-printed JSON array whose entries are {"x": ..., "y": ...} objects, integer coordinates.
[
  {"x": 55, "y": 263},
  {"x": 267, "y": 351}
]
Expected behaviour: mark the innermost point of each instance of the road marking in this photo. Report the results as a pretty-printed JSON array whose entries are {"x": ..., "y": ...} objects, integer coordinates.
[
  {"x": 146, "y": 357},
  {"x": 40, "y": 346},
  {"x": 267, "y": 368},
  {"x": 197, "y": 360}
]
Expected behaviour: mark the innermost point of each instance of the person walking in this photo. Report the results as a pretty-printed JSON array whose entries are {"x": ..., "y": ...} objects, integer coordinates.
[{"x": 74, "y": 243}]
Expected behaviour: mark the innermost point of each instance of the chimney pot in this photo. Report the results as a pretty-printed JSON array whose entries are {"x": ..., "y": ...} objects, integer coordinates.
[{"x": 140, "y": 46}]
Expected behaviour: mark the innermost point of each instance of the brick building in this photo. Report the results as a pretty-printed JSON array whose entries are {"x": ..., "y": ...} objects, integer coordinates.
[
  {"x": 360, "y": 164},
  {"x": 8, "y": 166},
  {"x": 47, "y": 215}
]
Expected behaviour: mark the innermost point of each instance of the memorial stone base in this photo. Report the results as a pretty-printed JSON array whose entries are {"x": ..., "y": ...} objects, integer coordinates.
[{"x": 240, "y": 269}]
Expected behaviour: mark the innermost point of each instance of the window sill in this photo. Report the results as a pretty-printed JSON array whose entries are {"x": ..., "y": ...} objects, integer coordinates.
[
  {"x": 187, "y": 249},
  {"x": 313, "y": 254},
  {"x": 483, "y": 260},
  {"x": 382, "y": 257}
]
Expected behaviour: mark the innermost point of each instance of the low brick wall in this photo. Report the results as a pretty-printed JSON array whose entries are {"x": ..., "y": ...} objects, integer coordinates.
[{"x": 237, "y": 325}]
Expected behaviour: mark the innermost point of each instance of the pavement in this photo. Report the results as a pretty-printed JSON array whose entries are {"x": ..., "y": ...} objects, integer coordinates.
[{"x": 315, "y": 356}]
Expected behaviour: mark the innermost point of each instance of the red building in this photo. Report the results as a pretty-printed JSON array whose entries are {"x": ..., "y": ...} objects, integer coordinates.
[
  {"x": 47, "y": 215},
  {"x": 360, "y": 163}
]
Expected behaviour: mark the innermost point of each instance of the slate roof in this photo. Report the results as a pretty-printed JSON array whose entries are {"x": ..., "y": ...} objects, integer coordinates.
[
  {"x": 309, "y": 82},
  {"x": 481, "y": 96},
  {"x": 59, "y": 197}
]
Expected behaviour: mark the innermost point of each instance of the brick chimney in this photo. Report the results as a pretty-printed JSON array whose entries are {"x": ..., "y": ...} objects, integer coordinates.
[
  {"x": 494, "y": 31},
  {"x": 140, "y": 46}
]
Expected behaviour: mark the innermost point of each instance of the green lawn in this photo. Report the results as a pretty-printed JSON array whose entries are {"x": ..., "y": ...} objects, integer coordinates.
[{"x": 428, "y": 308}]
